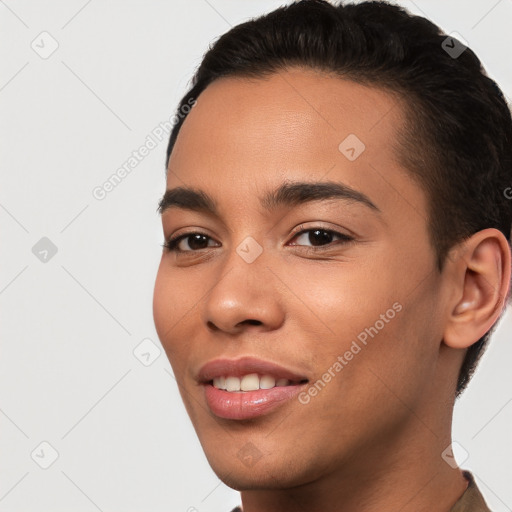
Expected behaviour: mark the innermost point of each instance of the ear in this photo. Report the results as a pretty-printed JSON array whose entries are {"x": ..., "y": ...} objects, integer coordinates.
[{"x": 480, "y": 269}]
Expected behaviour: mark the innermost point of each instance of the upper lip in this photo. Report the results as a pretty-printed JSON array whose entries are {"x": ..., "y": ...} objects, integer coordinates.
[{"x": 244, "y": 366}]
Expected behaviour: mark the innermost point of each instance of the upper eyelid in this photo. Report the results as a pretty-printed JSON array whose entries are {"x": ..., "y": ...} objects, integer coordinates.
[
  {"x": 299, "y": 230},
  {"x": 296, "y": 231}
]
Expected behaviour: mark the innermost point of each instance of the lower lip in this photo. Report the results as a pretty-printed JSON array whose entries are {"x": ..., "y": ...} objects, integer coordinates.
[{"x": 244, "y": 405}]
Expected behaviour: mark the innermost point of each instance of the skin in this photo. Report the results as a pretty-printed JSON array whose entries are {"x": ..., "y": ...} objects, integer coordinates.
[{"x": 372, "y": 438}]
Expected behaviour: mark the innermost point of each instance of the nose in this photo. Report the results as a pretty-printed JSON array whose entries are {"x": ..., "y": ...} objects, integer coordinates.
[{"x": 245, "y": 296}]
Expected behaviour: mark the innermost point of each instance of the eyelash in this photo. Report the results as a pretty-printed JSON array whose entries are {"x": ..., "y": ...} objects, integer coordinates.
[{"x": 172, "y": 243}]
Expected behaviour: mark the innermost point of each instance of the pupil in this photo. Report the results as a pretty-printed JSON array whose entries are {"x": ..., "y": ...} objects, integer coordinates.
[
  {"x": 195, "y": 241},
  {"x": 319, "y": 238}
]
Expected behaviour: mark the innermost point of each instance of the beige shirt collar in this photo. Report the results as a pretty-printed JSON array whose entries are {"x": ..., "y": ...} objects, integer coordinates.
[{"x": 472, "y": 500}]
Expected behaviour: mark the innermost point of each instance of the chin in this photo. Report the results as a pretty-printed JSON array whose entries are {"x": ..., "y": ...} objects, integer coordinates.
[
  {"x": 253, "y": 479},
  {"x": 269, "y": 472}
]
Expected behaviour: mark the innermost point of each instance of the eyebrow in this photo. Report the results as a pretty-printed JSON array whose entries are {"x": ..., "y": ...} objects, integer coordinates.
[{"x": 289, "y": 194}]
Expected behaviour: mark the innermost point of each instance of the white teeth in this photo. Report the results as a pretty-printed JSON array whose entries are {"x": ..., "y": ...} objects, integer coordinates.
[
  {"x": 220, "y": 382},
  {"x": 249, "y": 382},
  {"x": 232, "y": 384},
  {"x": 267, "y": 382}
]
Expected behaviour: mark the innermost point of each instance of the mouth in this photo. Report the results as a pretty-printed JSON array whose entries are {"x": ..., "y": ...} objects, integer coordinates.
[{"x": 247, "y": 388}]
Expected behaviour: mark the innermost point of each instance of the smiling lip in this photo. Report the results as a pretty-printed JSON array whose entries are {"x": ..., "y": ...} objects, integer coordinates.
[
  {"x": 244, "y": 366},
  {"x": 240, "y": 405}
]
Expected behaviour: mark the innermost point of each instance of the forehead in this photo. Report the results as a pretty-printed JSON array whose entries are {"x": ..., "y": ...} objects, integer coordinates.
[
  {"x": 294, "y": 124},
  {"x": 291, "y": 108}
]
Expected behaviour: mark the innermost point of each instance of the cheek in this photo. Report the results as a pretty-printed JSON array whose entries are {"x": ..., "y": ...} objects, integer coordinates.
[
  {"x": 162, "y": 298},
  {"x": 341, "y": 301},
  {"x": 391, "y": 357},
  {"x": 366, "y": 315},
  {"x": 350, "y": 328},
  {"x": 168, "y": 309},
  {"x": 177, "y": 298}
]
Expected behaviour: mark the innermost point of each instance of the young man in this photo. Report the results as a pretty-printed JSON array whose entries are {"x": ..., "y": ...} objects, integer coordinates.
[{"x": 337, "y": 253}]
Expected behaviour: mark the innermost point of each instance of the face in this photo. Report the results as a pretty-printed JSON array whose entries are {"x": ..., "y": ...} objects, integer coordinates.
[{"x": 328, "y": 290}]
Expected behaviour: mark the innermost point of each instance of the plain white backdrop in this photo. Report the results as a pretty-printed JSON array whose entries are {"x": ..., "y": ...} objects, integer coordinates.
[{"x": 90, "y": 415}]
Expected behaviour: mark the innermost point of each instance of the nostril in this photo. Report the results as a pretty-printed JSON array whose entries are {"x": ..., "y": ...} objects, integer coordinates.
[
  {"x": 212, "y": 326},
  {"x": 253, "y": 322}
]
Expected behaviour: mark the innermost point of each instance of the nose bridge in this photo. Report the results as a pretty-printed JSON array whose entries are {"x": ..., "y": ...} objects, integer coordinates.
[
  {"x": 242, "y": 272},
  {"x": 249, "y": 250}
]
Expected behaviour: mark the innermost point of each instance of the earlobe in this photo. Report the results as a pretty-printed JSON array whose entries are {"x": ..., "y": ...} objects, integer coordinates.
[{"x": 481, "y": 274}]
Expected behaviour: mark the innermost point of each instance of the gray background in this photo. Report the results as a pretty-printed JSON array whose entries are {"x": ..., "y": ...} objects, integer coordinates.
[{"x": 70, "y": 321}]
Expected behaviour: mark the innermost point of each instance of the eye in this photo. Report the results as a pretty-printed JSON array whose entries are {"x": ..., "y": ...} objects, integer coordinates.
[
  {"x": 195, "y": 240},
  {"x": 318, "y": 236}
]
